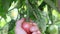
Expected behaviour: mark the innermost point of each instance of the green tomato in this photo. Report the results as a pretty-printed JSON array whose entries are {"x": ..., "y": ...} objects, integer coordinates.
[{"x": 53, "y": 29}]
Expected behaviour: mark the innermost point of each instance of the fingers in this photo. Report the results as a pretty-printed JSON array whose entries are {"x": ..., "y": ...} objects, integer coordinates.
[
  {"x": 19, "y": 22},
  {"x": 38, "y": 32},
  {"x": 35, "y": 29},
  {"x": 34, "y": 33},
  {"x": 31, "y": 21},
  {"x": 34, "y": 24},
  {"x": 18, "y": 29}
]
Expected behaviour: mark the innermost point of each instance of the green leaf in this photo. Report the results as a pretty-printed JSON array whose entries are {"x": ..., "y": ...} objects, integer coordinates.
[
  {"x": 39, "y": 18},
  {"x": 59, "y": 29},
  {"x": 11, "y": 23},
  {"x": 42, "y": 5},
  {"x": 51, "y": 4},
  {"x": 20, "y": 3},
  {"x": 4, "y": 5},
  {"x": 50, "y": 14}
]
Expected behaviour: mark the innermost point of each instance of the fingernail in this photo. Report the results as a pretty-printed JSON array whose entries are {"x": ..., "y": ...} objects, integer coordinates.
[
  {"x": 34, "y": 24},
  {"x": 34, "y": 33},
  {"x": 22, "y": 18},
  {"x": 33, "y": 29},
  {"x": 38, "y": 32}
]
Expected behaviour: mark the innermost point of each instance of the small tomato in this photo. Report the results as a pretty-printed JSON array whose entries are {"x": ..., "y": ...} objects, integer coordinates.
[{"x": 26, "y": 26}]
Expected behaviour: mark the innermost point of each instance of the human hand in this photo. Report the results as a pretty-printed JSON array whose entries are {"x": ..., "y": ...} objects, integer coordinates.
[{"x": 19, "y": 30}]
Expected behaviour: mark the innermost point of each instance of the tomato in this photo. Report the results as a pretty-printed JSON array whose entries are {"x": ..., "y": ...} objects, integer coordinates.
[
  {"x": 26, "y": 26},
  {"x": 53, "y": 29}
]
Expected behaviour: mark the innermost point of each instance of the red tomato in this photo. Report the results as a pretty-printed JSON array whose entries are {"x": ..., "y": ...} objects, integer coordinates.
[{"x": 26, "y": 26}]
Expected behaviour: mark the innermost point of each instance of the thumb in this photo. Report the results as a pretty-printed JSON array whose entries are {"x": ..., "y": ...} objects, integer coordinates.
[{"x": 19, "y": 22}]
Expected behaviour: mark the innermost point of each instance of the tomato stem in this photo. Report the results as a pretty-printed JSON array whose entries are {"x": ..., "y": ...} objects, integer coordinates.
[{"x": 27, "y": 18}]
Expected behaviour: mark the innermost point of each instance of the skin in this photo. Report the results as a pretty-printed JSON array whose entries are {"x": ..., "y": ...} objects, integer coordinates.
[{"x": 18, "y": 29}]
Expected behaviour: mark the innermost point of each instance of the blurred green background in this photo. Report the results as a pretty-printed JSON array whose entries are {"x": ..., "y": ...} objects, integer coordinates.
[{"x": 46, "y": 13}]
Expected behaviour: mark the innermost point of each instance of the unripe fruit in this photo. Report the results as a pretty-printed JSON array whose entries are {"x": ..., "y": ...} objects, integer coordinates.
[
  {"x": 53, "y": 29},
  {"x": 26, "y": 26}
]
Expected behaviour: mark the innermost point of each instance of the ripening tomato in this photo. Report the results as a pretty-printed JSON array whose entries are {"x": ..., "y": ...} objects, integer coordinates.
[{"x": 26, "y": 26}]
